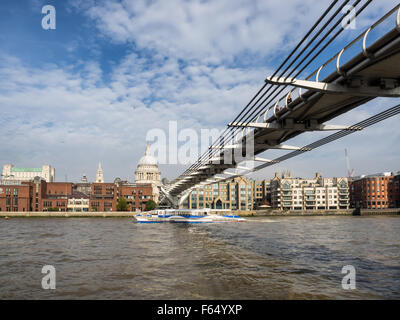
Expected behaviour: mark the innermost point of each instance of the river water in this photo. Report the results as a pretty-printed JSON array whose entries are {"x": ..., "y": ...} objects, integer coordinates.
[{"x": 263, "y": 258}]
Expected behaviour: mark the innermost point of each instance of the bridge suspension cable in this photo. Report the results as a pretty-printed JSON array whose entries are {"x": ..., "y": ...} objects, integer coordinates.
[
  {"x": 264, "y": 103},
  {"x": 232, "y": 132},
  {"x": 349, "y": 86},
  {"x": 393, "y": 111},
  {"x": 315, "y": 56},
  {"x": 279, "y": 68}
]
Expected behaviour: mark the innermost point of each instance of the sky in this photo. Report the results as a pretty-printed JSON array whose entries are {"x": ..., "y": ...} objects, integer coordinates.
[{"x": 91, "y": 89}]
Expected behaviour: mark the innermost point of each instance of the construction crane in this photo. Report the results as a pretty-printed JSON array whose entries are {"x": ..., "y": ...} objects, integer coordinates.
[{"x": 350, "y": 173}]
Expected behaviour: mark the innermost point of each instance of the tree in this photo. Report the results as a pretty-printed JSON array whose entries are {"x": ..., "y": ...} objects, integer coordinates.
[
  {"x": 150, "y": 205},
  {"x": 122, "y": 205}
]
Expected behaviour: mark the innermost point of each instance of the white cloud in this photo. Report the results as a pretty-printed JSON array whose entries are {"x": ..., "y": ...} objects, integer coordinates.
[
  {"x": 73, "y": 119},
  {"x": 207, "y": 30},
  {"x": 213, "y": 31},
  {"x": 200, "y": 63}
]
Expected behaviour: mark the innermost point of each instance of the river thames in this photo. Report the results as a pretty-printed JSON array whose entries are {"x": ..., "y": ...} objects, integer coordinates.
[{"x": 263, "y": 258}]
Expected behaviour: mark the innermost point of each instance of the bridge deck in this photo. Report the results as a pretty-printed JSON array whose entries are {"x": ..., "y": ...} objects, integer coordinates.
[{"x": 370, "y": 74}]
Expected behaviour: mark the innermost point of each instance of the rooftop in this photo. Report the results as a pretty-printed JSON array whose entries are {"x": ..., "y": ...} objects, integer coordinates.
[{"x": 26, "y": 169}]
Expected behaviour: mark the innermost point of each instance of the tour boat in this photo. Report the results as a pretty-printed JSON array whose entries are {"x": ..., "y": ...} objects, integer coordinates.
[{"x": 186, "y": 216}]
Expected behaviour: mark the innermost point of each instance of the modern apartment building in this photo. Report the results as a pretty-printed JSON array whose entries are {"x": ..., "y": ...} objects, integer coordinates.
[
  {"x": 262, "y": 194},
  {"x": 320, "y": 193},
  {"x": 235, "y": 194}
]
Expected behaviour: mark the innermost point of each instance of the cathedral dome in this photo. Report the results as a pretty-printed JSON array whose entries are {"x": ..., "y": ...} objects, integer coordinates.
[
  {"x": 147, "y": 170},
  {"x": 147, "y": 160}
]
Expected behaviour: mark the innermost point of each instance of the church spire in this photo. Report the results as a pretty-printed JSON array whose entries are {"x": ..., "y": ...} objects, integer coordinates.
[{"x": 99, "y": 175}]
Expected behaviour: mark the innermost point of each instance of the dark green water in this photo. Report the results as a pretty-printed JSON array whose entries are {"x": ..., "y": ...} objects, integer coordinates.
[{"x": 264, "y": 258}]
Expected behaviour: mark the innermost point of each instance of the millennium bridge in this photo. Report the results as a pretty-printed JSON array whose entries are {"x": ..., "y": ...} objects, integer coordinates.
[{"x": 292, "y": 101}]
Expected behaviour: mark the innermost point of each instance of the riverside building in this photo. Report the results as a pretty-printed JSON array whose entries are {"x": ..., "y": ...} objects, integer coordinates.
[
  {"x": 105, "y": 196},
  {"x": 34, "y": 195},
  {"x": 12, "y": 173},
  {"x": 78, "y": 202},
  {"x": 289, "y": 193},
  {"x": 39, "y": 195},
  {"x": 262, "y": 194},
  {"x": 234, "y": 194},
  {"x": 83, "y": 186},
  {"x": 31, "y": 191},
  {"x": 375, "y": 191},
  {"x": 396, "y": 190}
]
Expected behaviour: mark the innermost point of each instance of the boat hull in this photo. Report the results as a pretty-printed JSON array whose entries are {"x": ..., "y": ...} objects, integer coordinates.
[{"x": 187, "y": 219}]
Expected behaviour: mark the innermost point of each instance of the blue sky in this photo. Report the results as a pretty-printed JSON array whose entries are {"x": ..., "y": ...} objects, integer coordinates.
[{"x": 90, "y": 90}]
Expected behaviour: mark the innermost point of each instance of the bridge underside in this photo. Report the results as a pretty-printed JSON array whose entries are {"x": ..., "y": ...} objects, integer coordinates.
[{"x": 374, "y": 72}]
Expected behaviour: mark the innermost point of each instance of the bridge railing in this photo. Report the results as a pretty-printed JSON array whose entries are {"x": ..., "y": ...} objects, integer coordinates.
[
  {"x": 332, "y": 65},
  {"x": 389, "y": 21},
  {"x": 392, "y": 19}
]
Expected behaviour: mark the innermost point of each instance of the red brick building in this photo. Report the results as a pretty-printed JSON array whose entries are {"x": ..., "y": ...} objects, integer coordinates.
[
  {"x": 379, "y": 191},
  {"x": 104, "y": 196},
  {"x": 40, "y": 195},
  {"x": 136, "y": 195},
  {"x": 55, "y": 195},
  {"x": 396, "y": 190},
  {"x": 16, "y": 197}
]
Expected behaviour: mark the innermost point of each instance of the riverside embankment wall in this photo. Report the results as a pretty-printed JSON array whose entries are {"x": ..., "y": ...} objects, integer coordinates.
[
  {"x": 66, "y": 214},
  {"x": 252, "y": 213},
  {"x": 350, "y": 212}
]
